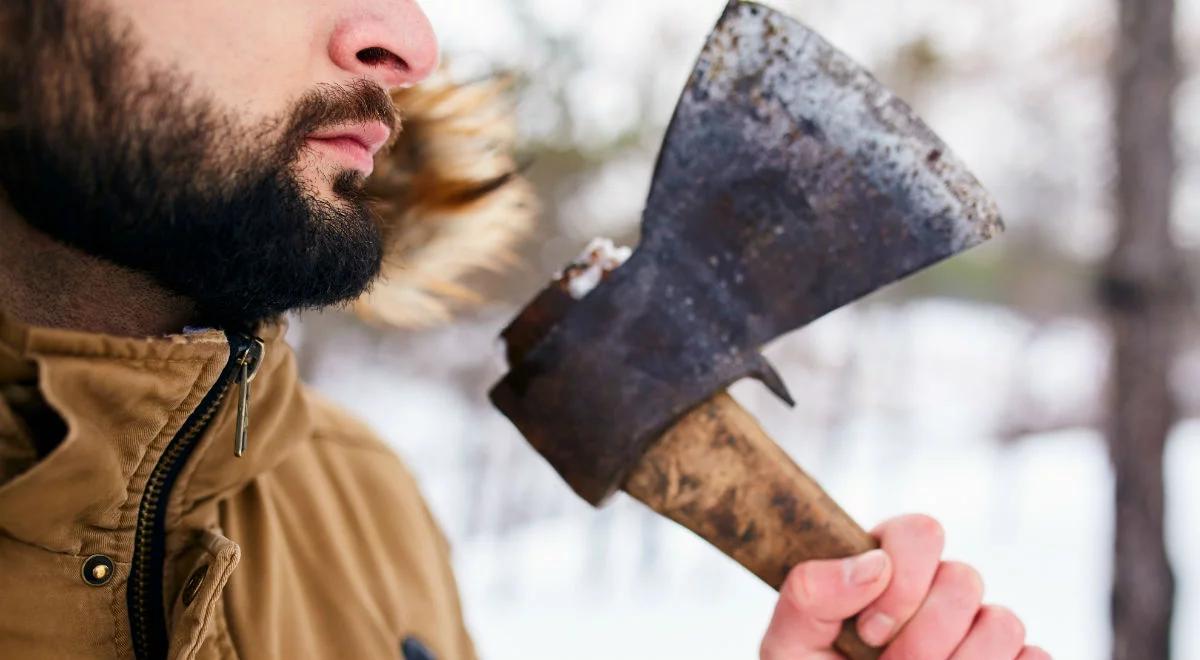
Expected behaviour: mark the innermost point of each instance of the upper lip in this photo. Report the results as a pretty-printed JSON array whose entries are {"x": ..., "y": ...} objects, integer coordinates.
[{"x": 371, "y": 135}]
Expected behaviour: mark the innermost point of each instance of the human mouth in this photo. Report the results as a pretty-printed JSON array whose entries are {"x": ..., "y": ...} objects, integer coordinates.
[{"x": 355, "y": 145}]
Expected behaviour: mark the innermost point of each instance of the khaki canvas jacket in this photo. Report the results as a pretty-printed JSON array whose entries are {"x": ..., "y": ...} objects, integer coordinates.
[{"x": 128, "y": 528}]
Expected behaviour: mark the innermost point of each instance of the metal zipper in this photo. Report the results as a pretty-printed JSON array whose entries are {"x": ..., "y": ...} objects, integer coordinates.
[
  {"x": 247, "y": 369},
  {"x": 144, "y": 595}
]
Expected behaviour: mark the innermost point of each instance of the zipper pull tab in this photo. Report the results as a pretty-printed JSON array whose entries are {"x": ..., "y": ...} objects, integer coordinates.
[{"x": 248, "y": 363}]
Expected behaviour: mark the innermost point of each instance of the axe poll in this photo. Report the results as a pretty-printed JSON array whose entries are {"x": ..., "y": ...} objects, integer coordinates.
[{"x": 789, "y": 184}]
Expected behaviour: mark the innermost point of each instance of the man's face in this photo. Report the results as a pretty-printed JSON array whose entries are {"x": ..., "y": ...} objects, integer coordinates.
[
  {"x": 219, "y": 146},
  {"x": 257, "y": 59}
]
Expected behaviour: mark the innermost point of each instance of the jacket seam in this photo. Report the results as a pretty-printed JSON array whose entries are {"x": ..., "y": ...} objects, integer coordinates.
[
  {"x": 8, "y": 536},
  {"x": 224, "y": 637},
  {"x": 35, "y": 357},
  {"x": 118, "y": 616},
  {"x": 130, "y": 518},
  {"x": 208, "y": 614},
  {"x": 374, "y": 447},
  {"x": 185, "y": 500}
]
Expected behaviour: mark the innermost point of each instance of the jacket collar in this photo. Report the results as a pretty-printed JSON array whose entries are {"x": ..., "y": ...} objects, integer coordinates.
[{"x": 123, "y": 401}]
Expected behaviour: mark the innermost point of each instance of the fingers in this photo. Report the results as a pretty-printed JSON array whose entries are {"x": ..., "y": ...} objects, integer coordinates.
[
  {"x": 942, "y": 621},
  {"x": 916, "y": 605},
  {"x": 814, "y": 600},
  {"x": 914, "y": 543},
  {"x": 996, "y": 633}
]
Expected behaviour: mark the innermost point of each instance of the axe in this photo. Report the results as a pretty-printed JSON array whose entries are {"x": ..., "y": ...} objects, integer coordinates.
[{"x": 790, "y": 183}]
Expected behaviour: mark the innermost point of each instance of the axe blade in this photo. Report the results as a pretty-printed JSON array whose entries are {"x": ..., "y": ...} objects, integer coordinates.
[
  {"x": 801, "y": 180},
  {"x": 790, "y": 183}
]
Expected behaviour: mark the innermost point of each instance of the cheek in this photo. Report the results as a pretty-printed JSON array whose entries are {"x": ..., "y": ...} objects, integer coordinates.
[{"x": 251, "y": 58}]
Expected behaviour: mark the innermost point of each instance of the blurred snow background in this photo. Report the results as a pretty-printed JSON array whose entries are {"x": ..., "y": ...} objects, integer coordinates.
[{"x": 972, "y": 392}]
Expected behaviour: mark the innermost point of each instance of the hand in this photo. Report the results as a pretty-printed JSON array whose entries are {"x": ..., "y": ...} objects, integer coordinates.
[{"x": 907, "y": 598}]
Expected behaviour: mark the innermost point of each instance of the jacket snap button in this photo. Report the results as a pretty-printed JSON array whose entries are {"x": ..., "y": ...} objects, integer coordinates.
[
  {"x": 413, "y": 649},
  {"x": 192, "y": 586},
  {"x": 98, "y": 570}
]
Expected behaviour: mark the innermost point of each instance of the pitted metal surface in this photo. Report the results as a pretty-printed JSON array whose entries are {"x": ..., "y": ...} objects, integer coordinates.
[{"x": 790, "y": 183}]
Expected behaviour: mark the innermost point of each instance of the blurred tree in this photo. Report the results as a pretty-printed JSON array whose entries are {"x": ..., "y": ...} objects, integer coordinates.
[{"x": 1145, "y": 295}]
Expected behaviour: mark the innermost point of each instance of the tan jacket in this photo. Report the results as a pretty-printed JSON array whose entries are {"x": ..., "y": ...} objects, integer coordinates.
[{"x": 128, "y": 528}]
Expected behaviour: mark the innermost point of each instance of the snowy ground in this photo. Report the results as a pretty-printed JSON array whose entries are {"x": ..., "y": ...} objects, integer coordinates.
[{"x": 902, "y": 409}]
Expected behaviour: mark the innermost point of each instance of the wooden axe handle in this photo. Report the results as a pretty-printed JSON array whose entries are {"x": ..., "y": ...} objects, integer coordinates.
[{"x": 717, "y": 473}]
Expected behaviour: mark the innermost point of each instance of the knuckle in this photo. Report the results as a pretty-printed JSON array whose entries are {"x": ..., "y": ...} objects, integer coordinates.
[
  {"x": 1006, "y": 623},
  {"x": 927, "y": 529},
  {"x": 904, "y": 596},
  {"x": 797, "y": 588},
  {"x": 962, "y": 582},
  {"x": 916, "y": 530},
  {"x": 925, "y": 525}
]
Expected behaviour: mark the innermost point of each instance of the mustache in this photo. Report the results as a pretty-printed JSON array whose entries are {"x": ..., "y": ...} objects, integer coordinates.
[{"x": 331, "y": 105}]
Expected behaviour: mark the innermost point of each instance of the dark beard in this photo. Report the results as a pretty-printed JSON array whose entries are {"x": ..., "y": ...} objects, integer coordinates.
[{"x": 138, "y": 169}]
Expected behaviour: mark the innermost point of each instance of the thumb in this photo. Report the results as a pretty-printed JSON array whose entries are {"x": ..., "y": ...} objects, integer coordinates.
[{"x": 816, "y": 597}]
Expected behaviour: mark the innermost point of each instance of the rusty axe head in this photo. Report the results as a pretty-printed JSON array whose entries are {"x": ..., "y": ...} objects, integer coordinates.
[{"x": 790, "y": 183}]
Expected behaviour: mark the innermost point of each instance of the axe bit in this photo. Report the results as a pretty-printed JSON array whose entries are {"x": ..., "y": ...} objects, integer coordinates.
[{"x": 790, "y": 183}]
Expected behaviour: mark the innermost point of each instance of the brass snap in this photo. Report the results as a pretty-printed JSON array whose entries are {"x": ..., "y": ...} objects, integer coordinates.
[
  {"x": 98, "y": 570},
  {"x": 192, "y": 586}
]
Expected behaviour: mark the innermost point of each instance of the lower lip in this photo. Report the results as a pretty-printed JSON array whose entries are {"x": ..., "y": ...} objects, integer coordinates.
[{"x": 349, "y": 151}]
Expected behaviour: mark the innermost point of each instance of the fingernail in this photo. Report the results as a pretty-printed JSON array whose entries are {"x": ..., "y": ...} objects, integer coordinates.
[
  {"x": 865, "y": 568},
  {"x": 876, "y": 629}
]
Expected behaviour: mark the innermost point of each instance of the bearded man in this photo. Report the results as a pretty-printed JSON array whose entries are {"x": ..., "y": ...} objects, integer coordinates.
[{"x": 175, "y": 177}]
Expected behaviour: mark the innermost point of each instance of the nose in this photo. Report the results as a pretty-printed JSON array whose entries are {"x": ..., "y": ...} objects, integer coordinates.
[{"x": 389, "y": 42}]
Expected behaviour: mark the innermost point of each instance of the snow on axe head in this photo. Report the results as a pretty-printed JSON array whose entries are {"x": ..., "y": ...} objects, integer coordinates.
[{"x": 790, "y": 183}]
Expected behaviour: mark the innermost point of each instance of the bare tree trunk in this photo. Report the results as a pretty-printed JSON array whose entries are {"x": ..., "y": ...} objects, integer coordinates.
[{"x": 1145, "y": 295}]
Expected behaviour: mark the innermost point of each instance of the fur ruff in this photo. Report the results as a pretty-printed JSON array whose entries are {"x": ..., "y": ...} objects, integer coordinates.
[{"x": 452, "y": 198}]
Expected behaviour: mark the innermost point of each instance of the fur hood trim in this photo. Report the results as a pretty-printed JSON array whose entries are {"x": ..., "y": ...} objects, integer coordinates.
[{"x": 452, "y": 198}]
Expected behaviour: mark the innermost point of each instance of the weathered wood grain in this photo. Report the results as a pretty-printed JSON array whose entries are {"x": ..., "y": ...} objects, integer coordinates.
[{"x": 717, "y": 473}]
